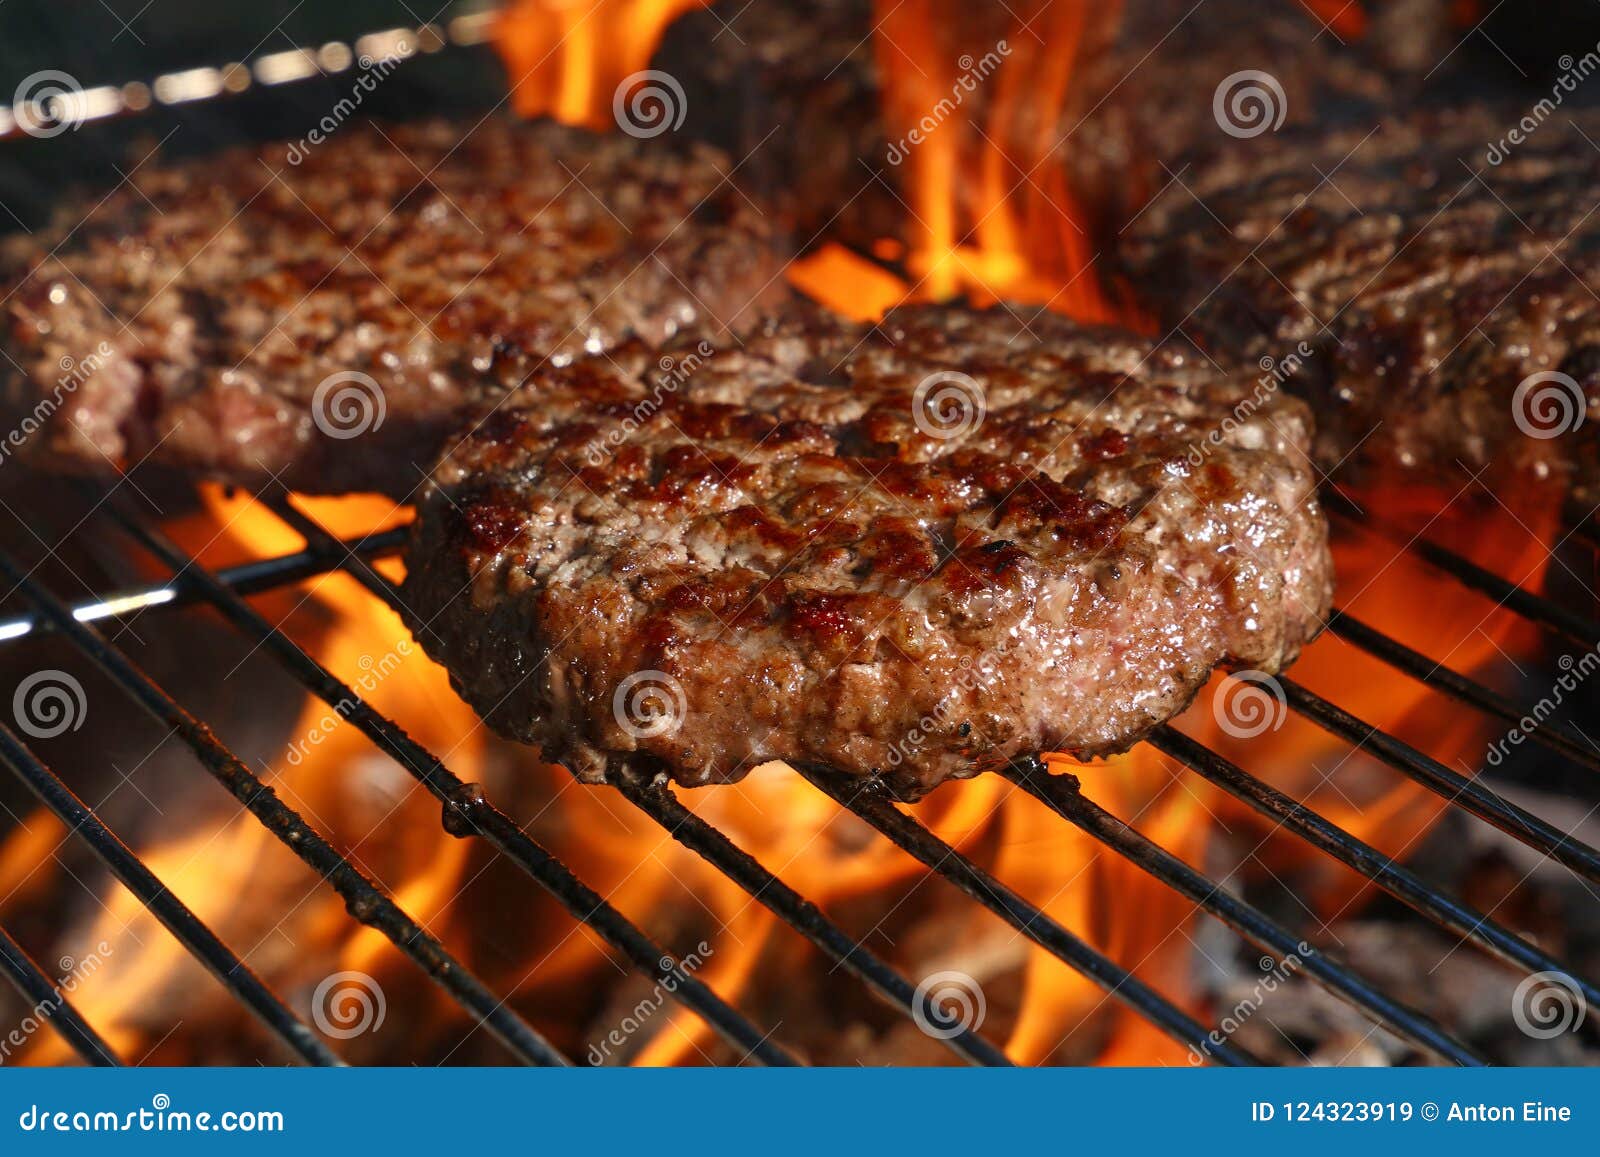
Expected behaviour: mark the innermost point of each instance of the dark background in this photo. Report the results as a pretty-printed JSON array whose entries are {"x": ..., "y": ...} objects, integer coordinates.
[{"x": 101, "y": 42}]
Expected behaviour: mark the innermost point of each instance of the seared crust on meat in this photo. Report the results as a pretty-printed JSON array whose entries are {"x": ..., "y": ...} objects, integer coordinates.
[
  {"x": 791, "y": 88},
  {"x": 1430, "y": 265},
  {"x": 1148, "y": 101},
  {"x": 197, "y": 309},
  {"x": 788, "y": 551}
]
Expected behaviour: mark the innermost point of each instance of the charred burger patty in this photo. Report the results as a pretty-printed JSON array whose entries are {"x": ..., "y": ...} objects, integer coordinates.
[
  {"x": 324, "y": 314},
  {"x": 1431, "y": 267},
  {"x": 909, "y": 550}
]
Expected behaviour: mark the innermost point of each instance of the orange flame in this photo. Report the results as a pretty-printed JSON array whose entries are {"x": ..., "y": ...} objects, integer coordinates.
[
  {"x": 565, "y": 58},
  {"x": 969, "y": 104}
]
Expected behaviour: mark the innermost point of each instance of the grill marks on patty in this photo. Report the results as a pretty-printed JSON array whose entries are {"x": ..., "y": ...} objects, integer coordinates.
[
  {"x": 813, "y": 575},
  {"x": 1427, "y": 283},
  {"x": 442, "y": 260}
]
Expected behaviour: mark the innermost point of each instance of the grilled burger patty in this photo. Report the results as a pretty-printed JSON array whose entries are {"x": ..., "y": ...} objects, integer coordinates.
[
  {"x": 794, "y": 88},
  {"x": 1178, "y": 79},
  {"x": 911, "y": 551},
  {"x": 1428, "y": 282},
  {"x": 790, "y": 88},
  {"x": 193, "y": 314}
]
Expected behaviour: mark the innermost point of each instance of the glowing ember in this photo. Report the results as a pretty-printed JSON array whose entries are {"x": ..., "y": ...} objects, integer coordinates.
[{"x": 1347, "y": 18}]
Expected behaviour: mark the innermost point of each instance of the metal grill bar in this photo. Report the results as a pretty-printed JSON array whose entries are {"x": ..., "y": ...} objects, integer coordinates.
[
  {"x": 950, "y": 864},
  {"x": 1467, "y": 794},
  {"x": 1313, "y": 828},
  {"x": 863, "y": 799},
  {"x": 248, "y": 578},
  {"x": 711, "y": 845},
  {"x": 361, "y": 896},
  {"x": 52, "y": 1005},
  {"x": 466, "y": 811},
  {"x": 1551, "y": 734},
  {"x": 1062, "y": 795},
  {"x": 1366, "y": 860},
  {"x": 353, "y": 563},
  {"x": 1535, "y": 608},
  {"x": 203, "y": 944},
  {"x": 661, "y": 805}
]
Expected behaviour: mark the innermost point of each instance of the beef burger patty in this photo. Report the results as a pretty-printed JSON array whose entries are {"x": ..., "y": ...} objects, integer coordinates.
[
  {"x": 796, "y": 89},
  {"x": 911, "y": 551},
  {"x": 1433, "y": 267},
  {"x": 324, "y": 314}
]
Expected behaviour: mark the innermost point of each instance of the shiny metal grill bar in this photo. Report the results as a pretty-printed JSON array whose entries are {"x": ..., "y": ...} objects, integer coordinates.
[{"x": 466, "y": 813}]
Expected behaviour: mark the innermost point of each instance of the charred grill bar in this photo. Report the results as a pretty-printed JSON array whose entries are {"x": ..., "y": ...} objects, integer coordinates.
[
  {"x": 361, "y": 895},
  {"x": 663, "y": 807},
  {"x": 36, "y": 987},
  {"x": 465, "y": 810},
  {"x": 467, "y": 813}
]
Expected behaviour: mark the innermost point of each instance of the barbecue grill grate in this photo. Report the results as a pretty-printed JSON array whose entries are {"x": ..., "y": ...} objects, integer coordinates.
[{"x": 466, "y": 813}]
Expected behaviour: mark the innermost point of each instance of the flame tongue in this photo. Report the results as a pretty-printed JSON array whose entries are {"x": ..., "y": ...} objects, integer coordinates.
[
  {"x": 566, "y": 58},
  {"x": 973, "y": 110}
]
